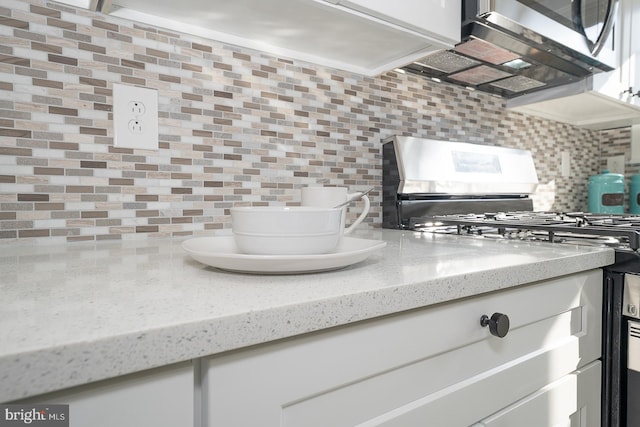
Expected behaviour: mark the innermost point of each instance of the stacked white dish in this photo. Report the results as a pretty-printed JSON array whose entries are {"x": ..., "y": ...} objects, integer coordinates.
[
  {"x": 289, "y": 239},
  {"x": 294, "y": 230}
]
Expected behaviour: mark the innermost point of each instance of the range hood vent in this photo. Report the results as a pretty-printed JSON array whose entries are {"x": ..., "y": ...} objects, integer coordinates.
[{"x": 506, "y": 58}]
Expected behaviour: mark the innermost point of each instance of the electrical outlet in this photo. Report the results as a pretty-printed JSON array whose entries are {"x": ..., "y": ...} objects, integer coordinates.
[
  {"x": 135, "y": 117},
  {"x": 615, "y": 164},
  {"x": 565, "y": 165}
]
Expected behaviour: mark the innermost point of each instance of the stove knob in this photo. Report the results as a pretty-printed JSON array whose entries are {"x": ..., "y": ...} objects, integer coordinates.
[
  {"x": 632, "y": 310},
  {"x": 498, "y": 324}
]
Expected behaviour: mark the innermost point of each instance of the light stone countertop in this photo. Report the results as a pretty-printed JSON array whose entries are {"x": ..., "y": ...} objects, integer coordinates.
[{"x": 76, "y": 313}]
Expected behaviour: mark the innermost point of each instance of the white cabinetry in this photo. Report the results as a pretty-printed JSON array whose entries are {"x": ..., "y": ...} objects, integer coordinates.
[
  {"x": 623, "y": 82},
  {"x": 366, "y": 37},
  {"x": 162, "y": 397},
  {"x": 568, "y": 401},
  {"x": 630, "y": 68},
  {"x": 414, "y": 15},
  {"x": 435, "y": 366}
]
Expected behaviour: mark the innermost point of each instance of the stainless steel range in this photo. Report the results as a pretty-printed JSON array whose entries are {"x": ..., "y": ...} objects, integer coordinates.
[{"x": 485, "y": 192}]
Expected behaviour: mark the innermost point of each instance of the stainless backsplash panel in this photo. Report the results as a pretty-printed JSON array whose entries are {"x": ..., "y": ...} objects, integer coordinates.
[{"x": 429, "y": 166}]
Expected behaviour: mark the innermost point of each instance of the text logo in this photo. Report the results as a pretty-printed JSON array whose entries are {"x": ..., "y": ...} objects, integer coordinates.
[{"x": 34, "y": 415}]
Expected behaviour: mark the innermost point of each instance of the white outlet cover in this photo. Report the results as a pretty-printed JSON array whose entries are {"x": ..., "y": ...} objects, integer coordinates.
[
  {"x": 565, "y": 164},
  {"x": 615, "y": 164},
  {"x": 132, "y": 104}
]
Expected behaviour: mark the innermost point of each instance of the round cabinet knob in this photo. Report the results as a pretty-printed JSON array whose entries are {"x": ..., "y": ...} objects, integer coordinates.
[{"x": 498, "y": 324}]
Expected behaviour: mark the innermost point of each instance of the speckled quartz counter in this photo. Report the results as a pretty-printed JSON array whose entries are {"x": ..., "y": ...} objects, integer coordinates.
[{"x": 77, "y": 313}]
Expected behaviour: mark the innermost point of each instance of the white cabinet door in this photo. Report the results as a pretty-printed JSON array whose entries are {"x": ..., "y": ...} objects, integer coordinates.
[
  {"x": 431, "y": 17},
  {"x": 633, "y": 63},
  {"x": 162, "y": 397},
  {"x": 436, "y": 366},
  {"x": 572, "y": 401},
  {"x": 318, "y": 31},
  {"x": 616, "y": 83}
]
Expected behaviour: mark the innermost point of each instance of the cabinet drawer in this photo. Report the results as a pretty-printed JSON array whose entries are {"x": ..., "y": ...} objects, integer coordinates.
[
  {"x": 161, "y": 397},
  {"x": 573, "y": 400},
  {"x": 420, "y": 365}
]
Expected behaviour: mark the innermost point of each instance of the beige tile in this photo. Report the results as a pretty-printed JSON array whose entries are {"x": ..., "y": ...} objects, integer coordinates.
[{"x": 236, "y": 126}]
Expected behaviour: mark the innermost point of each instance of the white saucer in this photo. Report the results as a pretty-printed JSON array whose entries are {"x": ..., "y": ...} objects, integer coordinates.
[{"x": 221, "y": 252}]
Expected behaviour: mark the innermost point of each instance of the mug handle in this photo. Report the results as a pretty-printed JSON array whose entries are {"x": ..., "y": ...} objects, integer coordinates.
[{"x": 364, "y": 213}]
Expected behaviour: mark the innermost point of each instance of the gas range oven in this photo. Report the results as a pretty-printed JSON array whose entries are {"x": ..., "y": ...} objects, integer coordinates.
[{"x": 484, "y": 192}]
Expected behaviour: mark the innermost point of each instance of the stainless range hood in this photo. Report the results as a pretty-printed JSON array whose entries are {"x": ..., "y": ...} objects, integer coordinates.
[{"x": 511, "y": 48}]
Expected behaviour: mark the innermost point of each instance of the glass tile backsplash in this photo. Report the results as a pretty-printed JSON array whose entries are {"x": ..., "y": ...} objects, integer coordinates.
[{"x": 236, "y": 127}]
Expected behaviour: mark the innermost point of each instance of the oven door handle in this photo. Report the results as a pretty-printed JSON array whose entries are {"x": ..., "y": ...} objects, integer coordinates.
[{"x": 607, "y": 27}]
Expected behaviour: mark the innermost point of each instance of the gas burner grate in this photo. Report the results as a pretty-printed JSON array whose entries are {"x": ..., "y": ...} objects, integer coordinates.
[{"x": 618, "y": 231}]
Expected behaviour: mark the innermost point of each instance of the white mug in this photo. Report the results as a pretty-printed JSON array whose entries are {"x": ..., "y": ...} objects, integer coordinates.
[{"x": 328, "y": 197}]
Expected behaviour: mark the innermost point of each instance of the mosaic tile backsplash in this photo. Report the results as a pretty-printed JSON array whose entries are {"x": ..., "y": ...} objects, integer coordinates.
[{"x": 236, "y": 127}]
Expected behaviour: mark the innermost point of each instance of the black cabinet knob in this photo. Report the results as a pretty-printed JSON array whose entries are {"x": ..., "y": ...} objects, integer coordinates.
[{"x": 498, "y": 324}]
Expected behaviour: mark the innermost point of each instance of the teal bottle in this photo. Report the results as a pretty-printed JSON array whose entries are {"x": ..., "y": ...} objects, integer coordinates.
[
  {"x": 606, "y": 193},
  {"x": 634, "y": 194}
]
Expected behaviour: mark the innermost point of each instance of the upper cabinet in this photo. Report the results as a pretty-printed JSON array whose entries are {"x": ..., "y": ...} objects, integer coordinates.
[
  {"x": 630, "y": 67},
  {"x": 365, "y": 37},
  {"x": 434, "y": 18},
  {"x": 605, "y": 100}
]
